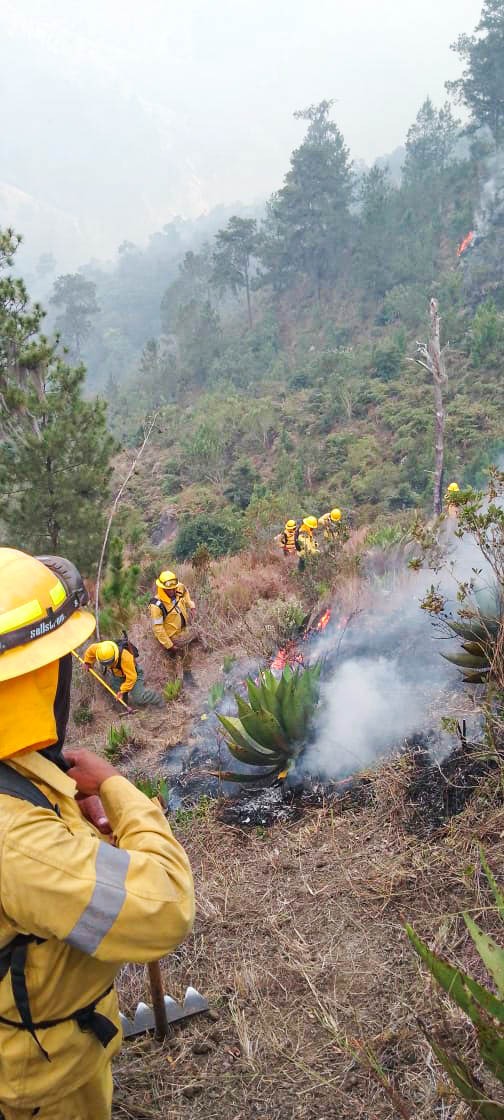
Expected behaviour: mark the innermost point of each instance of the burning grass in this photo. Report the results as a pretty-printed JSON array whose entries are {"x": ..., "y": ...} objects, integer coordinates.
[{"x": 299, "y": 946}]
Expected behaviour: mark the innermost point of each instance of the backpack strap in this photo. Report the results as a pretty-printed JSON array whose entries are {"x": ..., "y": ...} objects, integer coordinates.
[
  {"x": 162, "y": 607},
  {"x": 16, "y": 785}
]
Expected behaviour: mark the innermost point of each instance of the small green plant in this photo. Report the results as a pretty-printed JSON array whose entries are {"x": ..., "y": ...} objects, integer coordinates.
[
  {"x": 154, "y": 787},
  {"x": 198, "y": 812},
  {"x": 482, "y": 1006},
  {"x": 117, "y": 740},
  {"x": 82, "y": 713},
  {"x": 172, "y": 690},
  {"x": 271, "y": 728},
  {"x": 215, "y": 695},
  {"x": 228, "y": 662}
]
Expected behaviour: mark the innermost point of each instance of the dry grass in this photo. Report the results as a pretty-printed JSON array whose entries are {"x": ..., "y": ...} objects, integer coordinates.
[{"x": 299, "y": 946}]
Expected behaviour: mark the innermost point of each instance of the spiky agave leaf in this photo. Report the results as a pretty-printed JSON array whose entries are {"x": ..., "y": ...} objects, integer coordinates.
[
  {"x": 241, "y": 779},
  {"x": 471, "y": 661},
  {"x": 270, "y": 727}
]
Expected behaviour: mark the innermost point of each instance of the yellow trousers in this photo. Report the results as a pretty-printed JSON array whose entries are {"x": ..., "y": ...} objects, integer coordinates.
[{"x": 93, "y": 1101}]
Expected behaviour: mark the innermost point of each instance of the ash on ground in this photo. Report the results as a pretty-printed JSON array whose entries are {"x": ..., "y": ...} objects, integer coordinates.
[{"x": 439, "y": 791}]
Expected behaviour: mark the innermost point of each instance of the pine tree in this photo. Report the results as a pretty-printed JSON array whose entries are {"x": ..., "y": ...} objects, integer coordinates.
[
  {"x": 307, "y": 225},
  {"x": 481, "y": 87},
  {"x": 77, "y": 299},
  {"x": 54, "y": 446},
  {"x": 236, "y": 245}
]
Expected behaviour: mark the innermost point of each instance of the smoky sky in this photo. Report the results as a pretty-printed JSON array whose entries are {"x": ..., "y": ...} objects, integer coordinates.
[{"x": 117, "y": 115}]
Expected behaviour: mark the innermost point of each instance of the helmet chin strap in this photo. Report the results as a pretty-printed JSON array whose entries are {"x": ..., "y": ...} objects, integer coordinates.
[{"x": 61, "y": 713}]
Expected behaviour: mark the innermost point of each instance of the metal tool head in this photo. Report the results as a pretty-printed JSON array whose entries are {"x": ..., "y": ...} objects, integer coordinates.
[{"x": 143, "y": 1020}]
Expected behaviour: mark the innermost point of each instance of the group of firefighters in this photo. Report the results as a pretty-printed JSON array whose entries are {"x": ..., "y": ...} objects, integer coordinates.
[
  {"x": 299, "y": 538},
  {"x": 171, "y": 611},
  {"x": 91, "y": 876}
]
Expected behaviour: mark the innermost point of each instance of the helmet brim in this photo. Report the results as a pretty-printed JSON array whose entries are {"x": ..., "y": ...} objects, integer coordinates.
[{"x": 49, "y": 648}]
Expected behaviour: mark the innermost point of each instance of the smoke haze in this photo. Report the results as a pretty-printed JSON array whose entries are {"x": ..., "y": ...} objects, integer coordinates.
[{"x": 117, "y": 116}]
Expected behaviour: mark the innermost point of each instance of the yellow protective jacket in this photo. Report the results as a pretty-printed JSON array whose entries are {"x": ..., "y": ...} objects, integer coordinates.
[
  {"x": 127, "y": 672},
  {"x": 306, "y": 542},
  {"x": 170, "y": 616},
  {"x": 95, "y": 905}
]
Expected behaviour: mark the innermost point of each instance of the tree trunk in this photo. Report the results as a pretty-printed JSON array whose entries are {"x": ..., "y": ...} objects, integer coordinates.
[
  {"x": 439, "y": 378},
  {"x": 431, "y": 358},
  {"x": 249, "y": 305}
]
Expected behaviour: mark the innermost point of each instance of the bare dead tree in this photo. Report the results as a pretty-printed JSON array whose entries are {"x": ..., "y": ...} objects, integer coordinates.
[
  {"x": 148, "y": 429},
  {"x": 431, "y": 358}
]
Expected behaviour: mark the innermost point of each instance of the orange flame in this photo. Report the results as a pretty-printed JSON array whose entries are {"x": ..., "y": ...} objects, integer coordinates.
[
  {"x": 322, "y": 622},
  {"x": 289, "y": 655},
  {"x": 468, "y": 240}
]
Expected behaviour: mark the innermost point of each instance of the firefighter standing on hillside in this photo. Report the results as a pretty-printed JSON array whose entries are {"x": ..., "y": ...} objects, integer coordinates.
[
  {"x": 73, "y": 906},
  {"x": 450, "y": 504},
  {"x": 288, "y": 538},
  {"x": 119, "y": 658},
  {"x": 170, "y": 613},
  {"x": 307, "y": 542}
]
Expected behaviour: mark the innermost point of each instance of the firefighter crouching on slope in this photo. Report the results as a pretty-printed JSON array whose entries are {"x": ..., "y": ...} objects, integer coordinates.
[
  {"x": 127, "y": 677},
  {"x": 170, "y": 612},
  {"x": 75, "y": 904},
  {"x": 307, "y": 543}
]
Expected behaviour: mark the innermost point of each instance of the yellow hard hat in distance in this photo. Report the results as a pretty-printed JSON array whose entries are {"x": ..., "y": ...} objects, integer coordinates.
[
  {"x": 335, "y": 515},
  {"x": 167, "y": 580},
  {"x": 107, "y": 653},
  {"x": 311, "y": 522},
  {"x": 290, "y": 524},
  {"x": 41, "y": 616},
  {"x": 453, "y": 488}
]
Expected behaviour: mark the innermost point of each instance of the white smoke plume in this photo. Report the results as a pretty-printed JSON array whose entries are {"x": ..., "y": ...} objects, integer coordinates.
[{"x": 389, "y": 680}]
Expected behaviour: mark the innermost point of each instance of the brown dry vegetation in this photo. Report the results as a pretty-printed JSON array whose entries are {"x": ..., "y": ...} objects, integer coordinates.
[{"x": 299, "y": 947}]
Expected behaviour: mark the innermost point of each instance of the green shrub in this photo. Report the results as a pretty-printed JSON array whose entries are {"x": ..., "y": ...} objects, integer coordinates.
[
  {"x": 172, "y": 690},
  {"x": 228, "y": 662},
  {"x": 482, "y": 1006},
  {"x": 387, "y": 358},
  {"x": 487, "y": 334},
  {"x": 215, "y": 695},
  {"x": 82, "y": 713},
  {"x": 154, "y": 787},
  {"x": 117, "y": 740},
  {"x": 221, "y": 535}
]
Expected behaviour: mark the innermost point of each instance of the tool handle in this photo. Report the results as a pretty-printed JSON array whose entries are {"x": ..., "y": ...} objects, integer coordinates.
[{"x": 158, "y": 1003}]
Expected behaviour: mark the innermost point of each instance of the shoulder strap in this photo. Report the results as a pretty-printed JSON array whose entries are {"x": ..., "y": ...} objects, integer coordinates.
[
  {"x": 162, "y": 608},
  {"x": 16, "y": 785}
]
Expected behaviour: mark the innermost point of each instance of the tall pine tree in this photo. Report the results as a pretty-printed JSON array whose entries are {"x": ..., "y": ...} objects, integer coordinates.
[
  {"x": 54, "y": 446},
  {"x": 307, "y": 226}
]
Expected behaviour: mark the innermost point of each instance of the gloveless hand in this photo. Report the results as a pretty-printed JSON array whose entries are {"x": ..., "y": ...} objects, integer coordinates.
[{"x": 88, "y": 770}]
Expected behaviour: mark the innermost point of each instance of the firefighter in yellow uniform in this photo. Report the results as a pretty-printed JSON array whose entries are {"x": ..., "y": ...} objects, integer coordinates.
[
  {"x": 74, "y": 906},
  {"x": 335, "y": 530},
  {"x": 450, "y": 504},
  {"x": 170, "y": 612},
  {"x": 287, "y": 539},
  {"x": 127, "y": 676},
  {"x": 307, "y": 542}
]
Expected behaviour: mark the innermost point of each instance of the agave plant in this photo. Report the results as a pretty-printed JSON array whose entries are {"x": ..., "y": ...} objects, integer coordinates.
[
  {"x": 479, "y": 635},
  {"x": 484, "y": 1007},
  {"x": 271, "y": 727}
]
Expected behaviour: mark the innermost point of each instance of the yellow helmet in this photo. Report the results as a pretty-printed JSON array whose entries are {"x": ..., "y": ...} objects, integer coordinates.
[
  {"x": 166, "y": 580},
  {"x": 453, "y": 488},
  {"x": 335, "y": 515},
  {"x": 290, "y": 524},
  {"x": 41, "y": 616},
  {"x": 311, "y": 522},
  {"x": 107, "y": 653}
]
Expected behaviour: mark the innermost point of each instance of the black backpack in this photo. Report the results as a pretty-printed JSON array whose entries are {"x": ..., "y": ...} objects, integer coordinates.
[
  {"x": 13, "y": 955},
  {"x": 125, "y": 643}
]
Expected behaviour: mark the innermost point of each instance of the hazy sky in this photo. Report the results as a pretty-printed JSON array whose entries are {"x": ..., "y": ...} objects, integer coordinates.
[{"x": 117, "y": 114}]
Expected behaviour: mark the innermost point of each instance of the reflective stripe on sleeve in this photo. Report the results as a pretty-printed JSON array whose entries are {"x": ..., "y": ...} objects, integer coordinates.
[
  {"x": 106, "y": 900},
  {"x": 157, "y": 621}
]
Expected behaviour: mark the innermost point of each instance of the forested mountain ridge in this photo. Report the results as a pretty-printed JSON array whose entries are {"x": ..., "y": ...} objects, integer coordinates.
[{"x": 284, "y": 375}]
